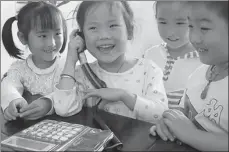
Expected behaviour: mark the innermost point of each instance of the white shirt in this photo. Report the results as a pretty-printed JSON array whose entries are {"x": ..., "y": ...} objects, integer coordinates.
[
  {"x": 211, "y": 113},
  {"x": 24, "y": 75},
  {"x": 176, "y": 70},
  {"x": 144, "y": 80}
]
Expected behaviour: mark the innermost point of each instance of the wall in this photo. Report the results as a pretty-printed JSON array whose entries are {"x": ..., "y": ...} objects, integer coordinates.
[
  {"x": 145, "y": 35},
  {"x": 7, "y": 10}
]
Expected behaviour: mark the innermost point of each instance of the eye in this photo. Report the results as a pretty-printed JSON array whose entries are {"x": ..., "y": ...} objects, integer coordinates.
[
  {"x": 205, "y": 29},
  {"x": 114, "y": 25},
  {"x": 58, "y": 33},
  {"x": 92, "y": 28},
  {"x": 162, "y": 22},
  {"x": 190, "y": 26},
  {"x": 42, "y": 36},
  {"x": 181, "y": 23}
]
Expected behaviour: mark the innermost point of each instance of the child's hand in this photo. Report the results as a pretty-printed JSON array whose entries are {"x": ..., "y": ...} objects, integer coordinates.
[
  {"x": 75, "y": 45},
  {"x": 37, "y": 109},
  {"x": 162, "y": 130},
  {"x": 11, "y": 112},
  {"x": 179, "y": 124},
  {"x": 110, "y": 94}
]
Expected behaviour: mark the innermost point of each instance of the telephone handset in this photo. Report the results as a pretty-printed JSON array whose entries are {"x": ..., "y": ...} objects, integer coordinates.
[{"x": 97, "y": 83}]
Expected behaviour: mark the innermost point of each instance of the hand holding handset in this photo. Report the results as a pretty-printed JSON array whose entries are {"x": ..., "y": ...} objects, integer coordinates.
[{"x": 97, "y": 83}]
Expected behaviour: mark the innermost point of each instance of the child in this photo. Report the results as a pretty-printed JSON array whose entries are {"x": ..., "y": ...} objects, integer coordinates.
[
  {"x": 175, "y": 55},
  {"x": 135, "y": 87},
  {"x": 206, "y": 102},
  {"x": 43, "y": 29}
]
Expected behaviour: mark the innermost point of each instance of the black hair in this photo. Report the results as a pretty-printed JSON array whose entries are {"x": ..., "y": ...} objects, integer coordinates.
[
  {"x": 156, "y": 3},
  {"x": 220, "y": 7},
  {"x": 45, "y": 13},
  {"x": 126, "y": 11}
]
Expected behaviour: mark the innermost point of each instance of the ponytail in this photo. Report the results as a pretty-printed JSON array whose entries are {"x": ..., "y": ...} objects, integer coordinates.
[{"x": 7, "y": 39}]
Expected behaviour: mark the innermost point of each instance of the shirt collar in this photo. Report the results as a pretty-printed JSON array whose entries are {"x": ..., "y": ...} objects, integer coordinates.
[
  {"x": 189, "y": 55},
  {"x": 37, "y": 70}
]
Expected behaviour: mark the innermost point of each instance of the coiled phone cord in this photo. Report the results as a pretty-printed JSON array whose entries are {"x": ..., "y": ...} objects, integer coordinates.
[{"x": 97, "y": 83}]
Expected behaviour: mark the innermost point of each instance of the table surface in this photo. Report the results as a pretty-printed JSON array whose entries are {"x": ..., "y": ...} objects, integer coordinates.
[{"x": 134, "y": 134}]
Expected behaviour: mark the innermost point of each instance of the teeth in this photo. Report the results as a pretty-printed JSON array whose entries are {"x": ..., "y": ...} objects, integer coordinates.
[
  {"x": 201, "y": 50},
  {"x": 48, "y": 51},
  {"x": 172, "y": 39},
  {"x": 105, "y": 46}
]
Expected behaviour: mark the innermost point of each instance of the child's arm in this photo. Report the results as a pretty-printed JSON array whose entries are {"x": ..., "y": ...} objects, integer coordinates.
[
  {"x": 67, "y": 102},
  {"x": 207, "y": 141},
  {"x": 153, "y": 102},
  {"x": 67, "y": 99},
  {"x": 36, "y": 109},
  {"x": 66, "y": 83},
  {"x": 75, "y": 45},
  {"x": 187, "y": 132},
  {"x": 11, "y": 86}
]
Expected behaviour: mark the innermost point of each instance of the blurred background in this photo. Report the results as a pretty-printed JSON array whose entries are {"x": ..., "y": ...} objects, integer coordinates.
[{"x": 145, "y": 34}]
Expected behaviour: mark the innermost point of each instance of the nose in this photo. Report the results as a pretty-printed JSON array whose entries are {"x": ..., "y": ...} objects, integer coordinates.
[
  {"x": 172, "y": 31},
  {"x": 195, "y": 37},
  {"x": 171, "y": 35},
  {"x": 51, "y": 41},
  {"x": 104, "y": 34}
]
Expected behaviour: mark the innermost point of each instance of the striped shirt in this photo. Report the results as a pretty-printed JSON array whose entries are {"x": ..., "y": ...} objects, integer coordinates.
[{"x": 176, "y": 70}]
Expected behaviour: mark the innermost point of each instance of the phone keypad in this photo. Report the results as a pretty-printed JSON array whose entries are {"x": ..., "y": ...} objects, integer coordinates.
[{"x": 52, "y": 131}]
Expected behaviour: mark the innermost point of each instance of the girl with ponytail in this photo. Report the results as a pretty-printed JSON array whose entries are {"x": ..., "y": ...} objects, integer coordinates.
[{"x": 42, "y": 28}]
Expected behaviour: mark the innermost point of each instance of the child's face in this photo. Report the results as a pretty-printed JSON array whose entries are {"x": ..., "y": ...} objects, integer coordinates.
[
  {"x": 208, "y": 34},
  {"x": 172, "y": 23},
  {"x": 105, "y": 32},
  {"x": 45, "y": 44}
]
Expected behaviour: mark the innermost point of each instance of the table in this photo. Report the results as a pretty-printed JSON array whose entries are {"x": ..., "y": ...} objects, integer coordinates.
[{"x": 134, "y": 134}]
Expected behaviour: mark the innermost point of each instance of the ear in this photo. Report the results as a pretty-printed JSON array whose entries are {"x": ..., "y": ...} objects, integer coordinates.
[
  {"x": 21, "y": 37},
  {"x": 130, "y": 33}
]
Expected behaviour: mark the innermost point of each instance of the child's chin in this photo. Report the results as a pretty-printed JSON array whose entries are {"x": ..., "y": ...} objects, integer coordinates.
[
  {"x": 175, "y": 45},
  {"x": 48, "y": 59},
  {"x": 205, "y": 61},
  {"x": 106, "y": 60}
]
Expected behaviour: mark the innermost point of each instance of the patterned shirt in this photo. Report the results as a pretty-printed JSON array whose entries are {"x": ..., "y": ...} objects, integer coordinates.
[
  {"x": 144, "y": 80},
  {"x": 209, "y": 114},
  {"x": 176, "y": 70},
  {"x": 24, "y": 75}
]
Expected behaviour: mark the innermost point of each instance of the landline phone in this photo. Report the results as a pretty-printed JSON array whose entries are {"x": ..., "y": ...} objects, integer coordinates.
[{"x": 97, "y": 83}]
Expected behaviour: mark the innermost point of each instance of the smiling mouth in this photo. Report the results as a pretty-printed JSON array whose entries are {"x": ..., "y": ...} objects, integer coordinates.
[
  {"x": 200, "y": 50},
  {"x": 173, "y": 40},
  {"x": 106, "y": 48},
  {"x": 49, "y": 51}
]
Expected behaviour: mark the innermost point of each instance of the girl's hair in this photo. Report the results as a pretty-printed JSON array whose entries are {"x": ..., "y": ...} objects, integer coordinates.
[
  {"x": 221, "y": 7},
  {"x": 126, "y": 11},
  {"x": 156, "y": 3},
  {"x": 31, "y": 16},
  {"x": 155, "y": 8}
]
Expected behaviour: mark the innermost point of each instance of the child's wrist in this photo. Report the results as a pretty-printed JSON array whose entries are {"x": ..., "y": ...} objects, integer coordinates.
[
  {"x": 48, "y": 103},
  {"x": 71, "y": 60},
  {"x": 69, "y": 67},
  {"x": 128, "y": 98},
  {"x": 194, "y": 133},
  {"x": 72, "y": 57}
]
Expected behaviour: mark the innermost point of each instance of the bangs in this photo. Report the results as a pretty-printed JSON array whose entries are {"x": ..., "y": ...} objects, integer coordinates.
[
  {"x": 46, "y": 18},
  {"x": 112, "y": 6},
  {"x": 115, "y": 5}
]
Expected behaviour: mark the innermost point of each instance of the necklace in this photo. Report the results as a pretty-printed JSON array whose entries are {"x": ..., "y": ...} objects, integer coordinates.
[
  {"x": 121, "y": 66},
  {"x": 212, "y": 77}
]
